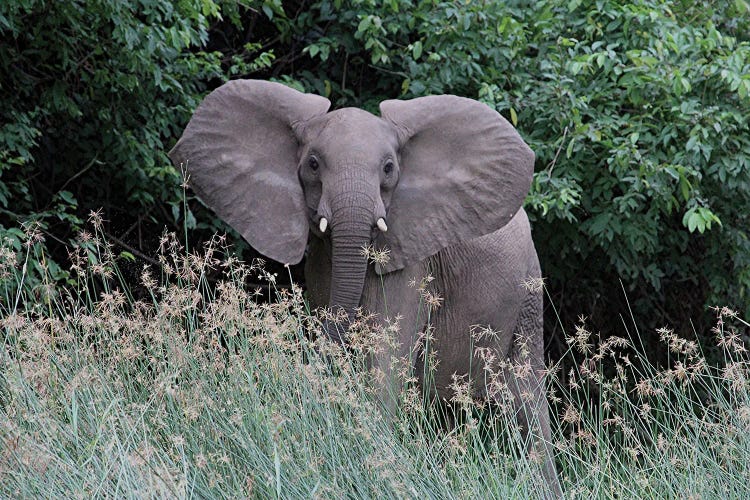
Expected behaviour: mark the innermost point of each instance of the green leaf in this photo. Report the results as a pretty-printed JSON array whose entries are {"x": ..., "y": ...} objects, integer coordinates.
[
  {"x": 127, "y": 256},
  {"x": 695, "y": 221},
  {"x": 574, "y": 4},
  {"x": 364, "y": 24},
  {"x": 569, "y": 149},
  {"x": 685, "y": 188},
  {"x": 190, "y": 221},
  {"x": 68, "y": 197},
  {"x": 685, "y": 83},
  {"x": 600, "y": 223},
  {"x": 691, "y": 143},
  {"x": 513, "y": 117},
  {"x": 417, "y": 49}
]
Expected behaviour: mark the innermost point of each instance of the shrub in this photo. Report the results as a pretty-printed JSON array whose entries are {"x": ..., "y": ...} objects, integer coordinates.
[{"x": 94, "y": 94}]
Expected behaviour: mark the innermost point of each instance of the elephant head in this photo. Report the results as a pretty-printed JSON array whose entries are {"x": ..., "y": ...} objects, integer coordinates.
[{"x": 278, "y": 167}]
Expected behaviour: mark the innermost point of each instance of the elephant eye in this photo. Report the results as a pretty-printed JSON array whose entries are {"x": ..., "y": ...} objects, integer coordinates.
[
  {"x": 313, "y": 163},
  {"x": 388, "y": 167}
]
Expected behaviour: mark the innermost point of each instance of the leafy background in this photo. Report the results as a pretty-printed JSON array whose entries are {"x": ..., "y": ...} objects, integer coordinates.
[{"x": 638, "y": 112}]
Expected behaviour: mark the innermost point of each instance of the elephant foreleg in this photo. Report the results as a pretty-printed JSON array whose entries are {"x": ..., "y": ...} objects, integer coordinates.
[
  {"x": 524, "y": 378},
  {"x": 396, "y": 328}
]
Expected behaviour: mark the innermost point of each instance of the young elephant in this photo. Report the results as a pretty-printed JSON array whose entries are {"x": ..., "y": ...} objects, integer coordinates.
[{"x": 437, "y": 181}]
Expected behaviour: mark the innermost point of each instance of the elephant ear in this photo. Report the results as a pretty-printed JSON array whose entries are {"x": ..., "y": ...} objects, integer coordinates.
[
  {"x": 240, "y": 152},
  {"x": 465, "y": 172}
]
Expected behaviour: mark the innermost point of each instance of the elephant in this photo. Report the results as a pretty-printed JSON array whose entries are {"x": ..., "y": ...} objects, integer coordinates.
[{"x": 438, "y": 182}]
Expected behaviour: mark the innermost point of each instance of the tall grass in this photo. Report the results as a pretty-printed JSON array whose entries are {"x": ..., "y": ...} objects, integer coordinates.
[{"x": 199, "y": 390}]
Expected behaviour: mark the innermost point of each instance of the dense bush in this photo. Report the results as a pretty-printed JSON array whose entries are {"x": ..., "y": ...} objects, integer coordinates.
[
  {"x": 638, "y": 113},
  {"x": 94, "y": 94}
]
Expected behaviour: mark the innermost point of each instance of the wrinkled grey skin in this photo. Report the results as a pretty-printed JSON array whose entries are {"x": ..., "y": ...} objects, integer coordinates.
[{"x": 447, "y": 174}]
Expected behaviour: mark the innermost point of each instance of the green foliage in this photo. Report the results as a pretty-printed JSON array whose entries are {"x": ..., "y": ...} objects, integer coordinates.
[
  {"x": 650, "y": 119},
  {"x": 93, "y": 95}
]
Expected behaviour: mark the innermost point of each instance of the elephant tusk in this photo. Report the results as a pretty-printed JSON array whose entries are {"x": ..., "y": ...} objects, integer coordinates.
[
  {"x": 382, "y": 225},
  {"x": 323, "y": 224}
]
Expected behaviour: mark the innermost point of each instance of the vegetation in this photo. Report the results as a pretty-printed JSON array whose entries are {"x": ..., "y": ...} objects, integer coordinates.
[
  {"x": 117, "y": 379},
  {"x": 200, "y": 391}
]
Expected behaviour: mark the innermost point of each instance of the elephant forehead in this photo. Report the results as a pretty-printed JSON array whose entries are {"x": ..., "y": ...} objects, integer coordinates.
[{"x": 354, "y": 128}]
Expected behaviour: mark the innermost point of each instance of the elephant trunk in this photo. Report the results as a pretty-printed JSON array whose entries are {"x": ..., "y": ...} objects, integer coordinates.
[{"x": 350, "y": 233}]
